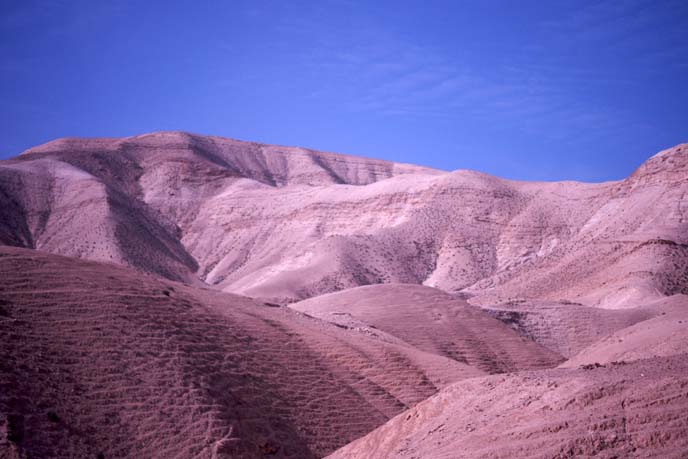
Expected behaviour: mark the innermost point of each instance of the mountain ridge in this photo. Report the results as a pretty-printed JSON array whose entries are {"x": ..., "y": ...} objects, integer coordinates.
[{"x": 287, "y": 223}]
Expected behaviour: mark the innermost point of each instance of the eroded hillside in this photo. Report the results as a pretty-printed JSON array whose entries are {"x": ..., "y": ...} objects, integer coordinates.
[{"x": 286, "y": 223}]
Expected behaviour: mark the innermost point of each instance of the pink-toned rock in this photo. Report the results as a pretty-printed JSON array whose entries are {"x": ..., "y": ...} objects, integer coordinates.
[
  {"x": 433, "y": 321},
  {"x": 156, "y": 358},
  {"x": 99, "y": 359},
  {"x": 665, "y": 334},
  {"x": 286, "y": 223},
  {"x": 632, "y": 410}
]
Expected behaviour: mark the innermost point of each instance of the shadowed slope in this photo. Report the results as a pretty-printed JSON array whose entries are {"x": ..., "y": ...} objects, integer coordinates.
[
  {"x": 433, "y": 321},
  {"x": 634, "y": 410},
  {"x": 65, "y": 210},
  {"x": 97, "y": 359}
]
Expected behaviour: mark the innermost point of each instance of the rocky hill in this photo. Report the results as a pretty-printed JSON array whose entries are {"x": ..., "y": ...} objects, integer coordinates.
[
  {"x": 285, "y": 224},
  {"x": 194, "y": 296}
]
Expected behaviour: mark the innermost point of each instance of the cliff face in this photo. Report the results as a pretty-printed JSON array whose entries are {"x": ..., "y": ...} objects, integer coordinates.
[{"x": 289, "y": 223}]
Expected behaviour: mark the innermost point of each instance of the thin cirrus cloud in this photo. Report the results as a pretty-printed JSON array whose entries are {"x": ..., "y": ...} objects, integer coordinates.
[
  {"x": 385, "y": 76},
  {"x": 397, "y": 80}
]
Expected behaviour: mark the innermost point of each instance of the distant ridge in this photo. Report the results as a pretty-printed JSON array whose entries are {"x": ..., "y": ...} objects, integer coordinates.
[{"x": 287, "y": 223}]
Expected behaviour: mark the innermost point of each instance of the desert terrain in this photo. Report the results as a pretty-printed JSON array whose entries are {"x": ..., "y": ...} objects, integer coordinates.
[{"x": 177, "y": 295}]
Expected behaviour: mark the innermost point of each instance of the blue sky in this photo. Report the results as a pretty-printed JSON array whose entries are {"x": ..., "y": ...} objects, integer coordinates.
[{"x": 531, "y": 90}]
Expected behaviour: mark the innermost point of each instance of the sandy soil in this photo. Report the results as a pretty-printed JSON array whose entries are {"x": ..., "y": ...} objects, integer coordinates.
[
  {"x": 98, "y": 359},
  {"x": 665, "y": 334},
  {"x": 631, "y": 411},
  {"x": 564, "y": 327},
  {"x": 433, "y": 321}
]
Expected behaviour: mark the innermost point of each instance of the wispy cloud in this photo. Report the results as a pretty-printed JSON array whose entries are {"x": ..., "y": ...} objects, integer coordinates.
[
  {"x": 652, "y": 30},
  {"x": 391, "y": 78},
  {"x": 381, "y": 73},
  {"x": 545, "y": 89}
]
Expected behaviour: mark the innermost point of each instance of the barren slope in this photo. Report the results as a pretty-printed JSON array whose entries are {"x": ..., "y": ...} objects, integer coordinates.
[
  {"x": 433, "y": 321},
  {"x": 633, "y": 410},
  {"x": 663, "y": 335},
  {"x": 632, "y": 248},
  {"x": 63, "y": 209},
  {"x": 98, "y": 359},
  {"x": 566, "y": 328},
  {"x": 287, "y": 223}
]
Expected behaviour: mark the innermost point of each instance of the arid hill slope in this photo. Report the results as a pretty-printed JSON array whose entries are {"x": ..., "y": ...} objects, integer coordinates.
[
  {"x": 99, "y": 359},
  {"x": 631, "y": 411},
  {"x": 665, "y": 334},
  {"x": 433, "y": 321},
  {"x": 166, "y": 360},
  {"x": 564, "y": 327},
  {"x": 287, "y": 223}
]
